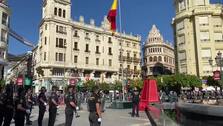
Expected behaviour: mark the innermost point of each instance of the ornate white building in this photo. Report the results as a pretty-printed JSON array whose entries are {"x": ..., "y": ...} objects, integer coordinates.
[
  {"x": 68, "y": 49},
  {"x": 4, "y": 18},
  {"x": 159, "y": 55}
]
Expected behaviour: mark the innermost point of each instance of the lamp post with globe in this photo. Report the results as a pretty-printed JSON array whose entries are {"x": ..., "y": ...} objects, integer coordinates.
[{"x": 219, "y": 62}]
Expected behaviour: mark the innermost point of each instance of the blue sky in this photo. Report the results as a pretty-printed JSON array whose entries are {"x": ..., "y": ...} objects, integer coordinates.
[{"x": 138, "y": 16}]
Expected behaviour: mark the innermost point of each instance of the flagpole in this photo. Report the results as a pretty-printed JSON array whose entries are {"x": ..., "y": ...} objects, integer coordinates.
[
  {"x": 122, "y": 60},
  {"x": 120, "y": 16}
]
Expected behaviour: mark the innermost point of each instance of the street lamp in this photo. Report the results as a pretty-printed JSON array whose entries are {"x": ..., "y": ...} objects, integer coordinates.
[
  {"x": 219, "y": 61},
  {"x": 211, "y": 63}
]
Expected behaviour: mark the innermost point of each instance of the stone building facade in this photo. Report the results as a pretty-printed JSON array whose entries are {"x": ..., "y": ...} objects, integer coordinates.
[
  {"x": 69, "y": 49},
  {"x": 4, "y": 27},
  {"x": 159, "y": 55},
  {"x": 198, "y": 36}
]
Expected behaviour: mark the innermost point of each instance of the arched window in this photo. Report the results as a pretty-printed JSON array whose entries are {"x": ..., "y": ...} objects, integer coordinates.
[
  {"x": 155, "y": 59},
  {"x": 170, "y": 60},
  {"x": 165, "y": 59},
  {"x": 60, "y": 12},
  {"x": 160, "y": 59},
  {"x": 55, "y": 11},
  {"x": 64, "y": 13},
  {"x": 150, "y": 59}
]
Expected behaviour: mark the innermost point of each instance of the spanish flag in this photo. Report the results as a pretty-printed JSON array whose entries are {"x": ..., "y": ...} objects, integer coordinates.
[{"x": 112, "y": 15}]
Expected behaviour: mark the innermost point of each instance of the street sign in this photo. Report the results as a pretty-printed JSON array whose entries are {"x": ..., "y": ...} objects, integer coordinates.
[
  {"x": 73, "y": 81},
  {"x": 28, "y": 81},
  {"x": 19, "y": 81},
  {"x": 204, "y": 81},
  {"x": 217, "y": 75}
]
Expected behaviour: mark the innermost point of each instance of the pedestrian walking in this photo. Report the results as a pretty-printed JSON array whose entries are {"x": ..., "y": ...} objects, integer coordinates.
[
  {"x": 76, "y": 102},
  {"x": 1, "y": 106},
  {"x": 103, "y": 98},
  {"x": 7, "y": 105},
  {"x": 135, "y": 102},
  {"x": 70, "y": 106},
  {"x": 94, "y": 108},
  {"x": 20, "y": 107},
  {"x": 42, "y": 105},
  {"x": 53, "y": 105},
  {"x": 29, "y": 101}
]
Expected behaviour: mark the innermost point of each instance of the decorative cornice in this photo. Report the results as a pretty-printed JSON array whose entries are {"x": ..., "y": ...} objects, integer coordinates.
[{"x": 154, "y": 36}]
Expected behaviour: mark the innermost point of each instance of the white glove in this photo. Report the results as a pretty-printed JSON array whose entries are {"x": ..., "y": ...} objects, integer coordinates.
[
  {"x": 77, "y": 108},
  {"x": 99, "y": 119},
  {"x": 27, "y": 111},
  {"x": 58, "y": 107},
  {"x": 45, "y": 103}
]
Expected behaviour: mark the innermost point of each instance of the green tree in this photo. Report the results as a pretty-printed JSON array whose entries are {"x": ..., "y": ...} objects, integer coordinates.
[
  {"x": 90, "y": 84},
  {"x": 194, "y": 81},
  {"x": 212, "y": 82},
  {"x": 136, "y": 83},
  {"x": 104, "y": 86},
  {"x": 117, "y": 86},
  {"x": 175, "y": 82}
]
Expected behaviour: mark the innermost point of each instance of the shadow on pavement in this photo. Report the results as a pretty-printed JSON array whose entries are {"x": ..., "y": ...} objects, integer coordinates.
[
  {"x": 61, "y": 124},
  {"x": 45, "y": 122}
]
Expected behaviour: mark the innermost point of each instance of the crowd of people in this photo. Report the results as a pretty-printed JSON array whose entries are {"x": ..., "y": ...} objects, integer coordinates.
[
  {"x": 191, "y": 96},
  {"x": 16, "y": 103},
  {"x": 196, "y": 96}
]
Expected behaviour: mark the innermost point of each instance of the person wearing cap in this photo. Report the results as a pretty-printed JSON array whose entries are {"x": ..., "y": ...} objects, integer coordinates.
[
  {"x": 94, "y": 108},
  {"x": 70, "y": 106},
  {"x": 7, "y": 105},
  {"x": 42, "y": 105},
  {"x": 53, "y": 106},
  {"x": 135, "y": 102},
  {"x": 29, "y": 101},
  {"x": 21, "y": 108}
]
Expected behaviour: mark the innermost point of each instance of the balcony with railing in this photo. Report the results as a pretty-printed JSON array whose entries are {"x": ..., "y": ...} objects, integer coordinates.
[
  {"x": 97, "y": 52},
  {"x": 122, "y": 58},
  {"x": 97, "y": 40},
  {"x": 76, "y": 49},
  {"x": 87, "y": 38},
  {"x": 129, "y": 59},
  {"x": 136, "y": 60},
  {"x": 87, "y": 51},
  {"x": 76, "y": 36}
]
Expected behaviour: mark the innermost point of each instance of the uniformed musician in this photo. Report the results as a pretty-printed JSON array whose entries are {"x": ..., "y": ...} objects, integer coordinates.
[
  {"x": 94, "y": 108},
  {"x": 70, "y": 106},
  {"x": 53, "y": 105}
]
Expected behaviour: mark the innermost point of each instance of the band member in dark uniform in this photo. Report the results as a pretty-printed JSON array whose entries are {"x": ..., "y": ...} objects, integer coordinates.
[
  {"x": 70, "y": 106},
  {"x": 7, "y": 105},
  {"x": 53, "y": 105},
  {"x": 135, "y": 102},
  {"x": 29, "y": 102},
  {"x": 42, "y": 105},
  {"x": 1, "y": 106},
  {"x": 94, "y": 108},
  {"x": 20, "y": 107}
]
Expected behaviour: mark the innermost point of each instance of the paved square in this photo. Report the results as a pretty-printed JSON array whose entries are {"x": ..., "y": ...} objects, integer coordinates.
[{"x": 111, "y": 117}]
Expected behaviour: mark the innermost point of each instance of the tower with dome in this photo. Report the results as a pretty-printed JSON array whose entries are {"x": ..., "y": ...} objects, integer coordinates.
[{"x": 158, "y": 54}]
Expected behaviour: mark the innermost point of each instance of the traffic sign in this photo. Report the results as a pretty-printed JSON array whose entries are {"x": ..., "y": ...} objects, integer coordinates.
[{"x": 217, "y": 75}]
